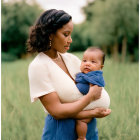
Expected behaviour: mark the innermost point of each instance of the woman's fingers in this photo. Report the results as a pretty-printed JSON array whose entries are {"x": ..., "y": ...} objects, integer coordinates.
[
  {"x": 101, "y": 112},
  {"x": 95, "y": 91},
  {"x": 107, "y": 112}
]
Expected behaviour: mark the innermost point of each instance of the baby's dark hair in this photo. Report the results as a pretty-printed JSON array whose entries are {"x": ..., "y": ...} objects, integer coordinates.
[
  {"x": 49, "y": 22},
  {"x": 97, "y": 49}
]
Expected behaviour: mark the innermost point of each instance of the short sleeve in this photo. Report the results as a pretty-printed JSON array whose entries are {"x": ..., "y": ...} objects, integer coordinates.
[{"x": 39, "y": 81}]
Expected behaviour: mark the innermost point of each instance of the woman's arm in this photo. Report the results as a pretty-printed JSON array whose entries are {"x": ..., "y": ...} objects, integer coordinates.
[
  {"x": 95, "y": 113},
  {"x": 68, "y": 110}
]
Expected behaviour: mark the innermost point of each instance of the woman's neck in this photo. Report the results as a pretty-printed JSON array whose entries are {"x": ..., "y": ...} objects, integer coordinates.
[{"x": 52, "y": 53}]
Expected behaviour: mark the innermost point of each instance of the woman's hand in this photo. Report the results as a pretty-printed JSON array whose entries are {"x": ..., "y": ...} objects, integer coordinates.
[
  {"x": 95, "y": 92},
  {"x": 100, "y": 112},
  {"x": 94, "y": 113}
]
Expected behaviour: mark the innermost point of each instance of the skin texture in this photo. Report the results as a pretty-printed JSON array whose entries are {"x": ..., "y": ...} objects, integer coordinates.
[{"x": 60, "y": 43}]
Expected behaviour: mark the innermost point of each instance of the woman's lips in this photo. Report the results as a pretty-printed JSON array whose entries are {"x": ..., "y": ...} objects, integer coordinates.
[{"x": 67, "y": 47}]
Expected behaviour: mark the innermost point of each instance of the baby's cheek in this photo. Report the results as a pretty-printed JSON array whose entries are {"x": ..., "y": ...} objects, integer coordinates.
[{"x": 81, "y": 68}]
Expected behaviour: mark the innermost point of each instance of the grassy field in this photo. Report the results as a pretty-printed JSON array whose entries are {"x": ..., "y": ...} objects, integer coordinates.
[{"x": 22, "y": 120}]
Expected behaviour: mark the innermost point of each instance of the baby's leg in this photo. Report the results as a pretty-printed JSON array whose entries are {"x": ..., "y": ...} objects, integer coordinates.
[{"x": 81, "y": 128}]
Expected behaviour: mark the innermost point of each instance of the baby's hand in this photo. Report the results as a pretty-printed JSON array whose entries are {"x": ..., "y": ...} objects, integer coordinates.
[{"x": 95, "y": 91}]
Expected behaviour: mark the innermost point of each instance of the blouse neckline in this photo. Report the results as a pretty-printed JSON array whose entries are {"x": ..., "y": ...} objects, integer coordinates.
[{"x": 65, "y": 62}]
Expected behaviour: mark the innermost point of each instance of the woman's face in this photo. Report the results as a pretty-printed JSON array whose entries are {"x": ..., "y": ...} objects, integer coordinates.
[{"x": 61, "y": 40}]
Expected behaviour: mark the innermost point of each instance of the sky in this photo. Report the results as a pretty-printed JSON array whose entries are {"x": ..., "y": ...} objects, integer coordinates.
[{"x": 72, "y": 7}]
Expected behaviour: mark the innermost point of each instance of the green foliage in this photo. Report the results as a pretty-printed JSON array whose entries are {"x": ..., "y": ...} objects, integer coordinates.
[
  {"x": 81, "y": 39},
  {"x": 17, "y": 17},
  {"x": 8, "y": 57},
  {"x": 115, "y": 20},
  {"x": 109, "y": 22},
  {"x": 22, "y": 120}
]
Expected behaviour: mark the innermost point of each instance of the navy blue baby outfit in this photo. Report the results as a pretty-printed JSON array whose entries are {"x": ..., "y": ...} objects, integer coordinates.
[{"x": 84, "y": 79}]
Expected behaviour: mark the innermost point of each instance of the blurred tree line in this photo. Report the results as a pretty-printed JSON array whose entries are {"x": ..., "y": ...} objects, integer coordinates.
[
  {"x": 111, "y": 25},
  {"x": 17, "y": 17}
]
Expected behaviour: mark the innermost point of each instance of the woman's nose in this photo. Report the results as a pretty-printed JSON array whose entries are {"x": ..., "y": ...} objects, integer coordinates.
[{"x": 70, "y": 40}]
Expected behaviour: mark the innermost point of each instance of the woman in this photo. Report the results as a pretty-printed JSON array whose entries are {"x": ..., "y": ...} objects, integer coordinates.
[{"x": 51, "y": 76}]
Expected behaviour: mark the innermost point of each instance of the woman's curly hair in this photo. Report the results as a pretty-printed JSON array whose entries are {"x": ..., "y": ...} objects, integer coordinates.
[{"x": 49, "y": 22}]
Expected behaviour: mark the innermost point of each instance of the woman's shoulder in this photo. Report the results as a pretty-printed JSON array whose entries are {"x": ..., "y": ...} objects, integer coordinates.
[{"x": 38, "y": 61}]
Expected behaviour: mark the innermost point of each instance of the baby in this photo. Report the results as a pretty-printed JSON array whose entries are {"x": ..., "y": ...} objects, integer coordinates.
[{"x": 91, "y": 74}]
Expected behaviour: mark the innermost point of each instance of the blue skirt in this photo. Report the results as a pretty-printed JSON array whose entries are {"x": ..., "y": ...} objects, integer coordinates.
[{"x": 65, "y": 129}]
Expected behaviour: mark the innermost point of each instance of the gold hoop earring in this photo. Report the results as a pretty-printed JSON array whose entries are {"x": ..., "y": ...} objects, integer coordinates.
[{"x": 50, "y": 43}]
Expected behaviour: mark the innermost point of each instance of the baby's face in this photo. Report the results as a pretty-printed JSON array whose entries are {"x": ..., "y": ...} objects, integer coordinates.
[{"x": 92, "y": 61}]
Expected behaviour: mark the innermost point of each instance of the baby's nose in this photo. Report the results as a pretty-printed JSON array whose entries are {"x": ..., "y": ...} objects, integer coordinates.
[{"x": 88, "y": 63}]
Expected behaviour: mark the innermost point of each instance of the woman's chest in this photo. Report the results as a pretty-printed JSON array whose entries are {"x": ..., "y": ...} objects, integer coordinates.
[
  {"x": 62, "y": 66},
  {"x": 63, "y": 82}
]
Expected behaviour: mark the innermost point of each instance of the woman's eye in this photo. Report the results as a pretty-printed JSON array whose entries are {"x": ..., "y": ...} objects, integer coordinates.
[
  {"x": 66, "y": 35},
  {"x": 84, "y": 60}
]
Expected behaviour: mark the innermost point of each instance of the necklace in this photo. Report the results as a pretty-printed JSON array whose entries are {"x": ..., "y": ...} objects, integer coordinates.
[{"x": 57, "y": 58}]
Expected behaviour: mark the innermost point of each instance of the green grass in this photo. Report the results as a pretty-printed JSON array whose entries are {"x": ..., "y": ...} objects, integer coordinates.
[
  {"x": 22, "y": 120},
  {"x": 122, "y": 84}
]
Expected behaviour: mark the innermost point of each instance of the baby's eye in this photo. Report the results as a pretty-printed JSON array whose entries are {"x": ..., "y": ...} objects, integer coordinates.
[
  {"x": 93, "y": 61},
  {"x": 84, "y": 61}
]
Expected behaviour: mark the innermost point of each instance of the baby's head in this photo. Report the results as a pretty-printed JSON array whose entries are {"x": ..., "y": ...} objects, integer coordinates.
[{"x": 93, "y": 59}]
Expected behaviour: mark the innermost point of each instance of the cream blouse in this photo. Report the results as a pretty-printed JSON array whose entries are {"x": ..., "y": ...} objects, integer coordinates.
[{"x": 45, "y": 76}]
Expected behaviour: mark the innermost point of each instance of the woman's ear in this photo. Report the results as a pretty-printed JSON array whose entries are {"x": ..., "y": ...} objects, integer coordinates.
[{"x": 51, "y": 37}]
